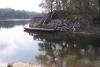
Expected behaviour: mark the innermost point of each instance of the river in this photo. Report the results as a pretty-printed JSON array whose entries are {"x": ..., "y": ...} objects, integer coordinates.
[{"x": 48, "y": 49}]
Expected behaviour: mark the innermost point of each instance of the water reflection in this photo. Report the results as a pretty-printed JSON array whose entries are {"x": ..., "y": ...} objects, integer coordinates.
[
  {"x": 17, "y": 46},
  {"x": 10, "y": 24},
  {"x": 68, "y": 50},
  {"x": 48, "y": 49}
]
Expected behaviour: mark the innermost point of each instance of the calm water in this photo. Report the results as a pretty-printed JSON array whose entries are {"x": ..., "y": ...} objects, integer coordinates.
[
  {"x": 47, "y": 49},
  {"x": 15, "y": 44}
]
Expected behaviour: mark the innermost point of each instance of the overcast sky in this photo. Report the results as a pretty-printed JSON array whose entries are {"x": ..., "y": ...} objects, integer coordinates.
[{"x": 30, "y": 5}]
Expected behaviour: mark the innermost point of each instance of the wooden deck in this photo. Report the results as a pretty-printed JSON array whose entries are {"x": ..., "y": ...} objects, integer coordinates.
[{"x": 39, "y": 29}]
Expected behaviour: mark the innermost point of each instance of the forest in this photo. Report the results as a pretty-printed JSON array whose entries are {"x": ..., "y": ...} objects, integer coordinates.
[
  {"x": 71, "y": 15},
  {"x": 8, "y": 13},
  {"x": 79, "y": 8}
]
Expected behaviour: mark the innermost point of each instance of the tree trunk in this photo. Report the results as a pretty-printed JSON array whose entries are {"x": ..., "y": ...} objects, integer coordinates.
[
  {"x": 99, "y": 10},
  {"x": 51, "y": 7},
  {"x": 86, "y": 8}
]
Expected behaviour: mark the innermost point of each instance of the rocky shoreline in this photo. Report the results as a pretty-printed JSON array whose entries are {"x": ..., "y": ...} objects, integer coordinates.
[
  {"x": 64, "y": 21},
  {"x": 72, "y": 25}
]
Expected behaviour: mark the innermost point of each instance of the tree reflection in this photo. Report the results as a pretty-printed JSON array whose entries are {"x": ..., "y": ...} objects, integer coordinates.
[
  {"x": 68, "y": 50},
  {"x": 10, "y": 24}
]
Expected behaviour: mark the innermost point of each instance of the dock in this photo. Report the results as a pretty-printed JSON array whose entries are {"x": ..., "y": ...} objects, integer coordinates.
[{"x": 39, "y": 29}]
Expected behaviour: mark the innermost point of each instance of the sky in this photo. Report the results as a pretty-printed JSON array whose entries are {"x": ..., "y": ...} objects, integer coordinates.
[{"x": 28, "y": 5}]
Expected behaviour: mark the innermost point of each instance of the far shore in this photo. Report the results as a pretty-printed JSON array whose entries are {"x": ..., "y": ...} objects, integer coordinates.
[{"x": 16, "y": 20}]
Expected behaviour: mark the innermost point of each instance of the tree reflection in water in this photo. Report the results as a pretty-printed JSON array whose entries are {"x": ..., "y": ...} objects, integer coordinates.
[
  {"x": 68, "y": 50},
  {"x": 10, "y": 24}
]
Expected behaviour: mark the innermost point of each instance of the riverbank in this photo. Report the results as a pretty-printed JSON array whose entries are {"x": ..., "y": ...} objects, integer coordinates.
[
  {"x": 63, "y": 21},
  {"x": 20, "y": 64},
  {"x": 75, "y": 25}
]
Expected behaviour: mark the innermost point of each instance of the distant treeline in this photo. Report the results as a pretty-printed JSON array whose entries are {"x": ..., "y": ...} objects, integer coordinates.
[{"x": 8, "y": 13}]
